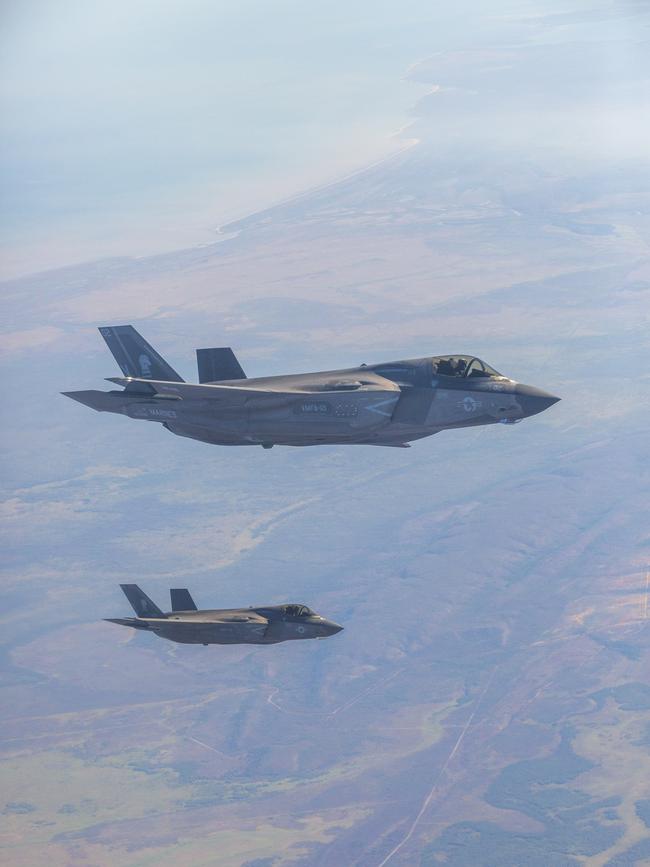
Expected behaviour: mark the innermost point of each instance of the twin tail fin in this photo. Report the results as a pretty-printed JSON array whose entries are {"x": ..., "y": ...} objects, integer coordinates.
[
  {"x": 182, "y": 600},
  {"x": 145, "y": 607},
  {"x": 140, "y": 602},
  {"x": 218, "y": 365},
  {"x": 139, "y": 360},
  {"x": 135, "y": 356}
]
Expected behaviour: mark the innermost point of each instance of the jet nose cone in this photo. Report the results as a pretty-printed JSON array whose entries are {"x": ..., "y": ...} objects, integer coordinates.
[
  {"x": 533, "y": 400},
  {"x": 331, "y": 628}
]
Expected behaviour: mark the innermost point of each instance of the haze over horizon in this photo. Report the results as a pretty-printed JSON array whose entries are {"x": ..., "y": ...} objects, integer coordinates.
[{"x": 139, "y": 128}]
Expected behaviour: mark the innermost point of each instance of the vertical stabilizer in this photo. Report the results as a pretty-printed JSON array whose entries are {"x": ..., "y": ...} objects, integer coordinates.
[
  {"x": 217, "y": 365},
  {"x": 181, "y": 600},
  {"x": 142, "y": 605},
  {"x": 135, "y": 356}
]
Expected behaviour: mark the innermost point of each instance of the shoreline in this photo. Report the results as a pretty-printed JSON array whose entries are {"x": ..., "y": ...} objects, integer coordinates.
[
  {"x": 221, "y": 228},
  {"x": 320, "y": 188}
]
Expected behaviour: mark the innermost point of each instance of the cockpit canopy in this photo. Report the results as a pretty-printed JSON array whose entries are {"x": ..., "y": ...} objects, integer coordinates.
[
  {"x": 297, "y": 611},
  {"x": 465, "y": 366}
]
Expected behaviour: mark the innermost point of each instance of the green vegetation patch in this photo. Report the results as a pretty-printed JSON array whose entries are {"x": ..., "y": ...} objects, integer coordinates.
[
  {"x": 538, "y": 788},
  {"x": 54, "y": 793},
  {"x": 643, "y": 810},
  {"x": 469, "y": 844},
  {"x": 628, "y": 696},
  {"x": 635, "y": 856}
]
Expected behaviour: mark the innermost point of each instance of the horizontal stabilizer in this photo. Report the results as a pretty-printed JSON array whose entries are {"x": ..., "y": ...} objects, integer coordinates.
[
  {"x": 102, "y": 401},
  {"x": 142, "y": 605},
  {"x": 182, "y": 600},
  {"x": 135, "y": 356},
  {"x": 128, "y": 621},
  {"x": 216, "y": 365}
]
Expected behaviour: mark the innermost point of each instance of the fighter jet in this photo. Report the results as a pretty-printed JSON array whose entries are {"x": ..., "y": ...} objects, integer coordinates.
[
  {"x": 185, "y": 624},
  {"x": 386, "y": 404}
]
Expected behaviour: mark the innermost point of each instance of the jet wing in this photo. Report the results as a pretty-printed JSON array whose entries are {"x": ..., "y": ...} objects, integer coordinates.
[
  {"x": 235, "y": 395},
  {"x": 189, "y": 391}
]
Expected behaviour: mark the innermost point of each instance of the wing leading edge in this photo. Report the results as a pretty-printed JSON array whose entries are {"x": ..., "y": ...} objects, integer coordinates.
[{"x": 242, "y": 394}]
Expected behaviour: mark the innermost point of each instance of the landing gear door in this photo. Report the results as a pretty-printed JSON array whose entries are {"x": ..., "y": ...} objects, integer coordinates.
[
  {"x": 275, "y": 631},
  {"x": 414, "y": 405}
]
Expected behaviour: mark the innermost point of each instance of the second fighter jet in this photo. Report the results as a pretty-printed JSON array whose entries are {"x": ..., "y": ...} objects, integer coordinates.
[{"x": 185, "y": 624}]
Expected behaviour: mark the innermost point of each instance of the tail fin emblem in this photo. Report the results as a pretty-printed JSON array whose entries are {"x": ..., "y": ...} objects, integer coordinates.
[{"x": 145, "y": 365}]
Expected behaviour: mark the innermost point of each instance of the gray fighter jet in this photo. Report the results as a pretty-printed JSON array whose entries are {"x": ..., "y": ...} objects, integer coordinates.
[
  {"x": 385, "y": 404},
  {"x": 184, "y": 624}
]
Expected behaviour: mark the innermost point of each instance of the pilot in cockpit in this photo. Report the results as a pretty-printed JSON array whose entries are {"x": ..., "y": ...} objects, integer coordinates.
[
  {"x": 297, "y": 611},
  {"x": 450, "y": 366},
  {"x": 462, "y": 367}
]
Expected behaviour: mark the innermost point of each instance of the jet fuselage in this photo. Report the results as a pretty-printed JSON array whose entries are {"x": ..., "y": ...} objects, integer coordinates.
[
  {"x": 387, "y": 404},
  {"x": 269, "y": 624}
]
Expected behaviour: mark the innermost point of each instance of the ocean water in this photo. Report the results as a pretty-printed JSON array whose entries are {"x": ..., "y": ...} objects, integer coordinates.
[{"x": 135, "y": 127}]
